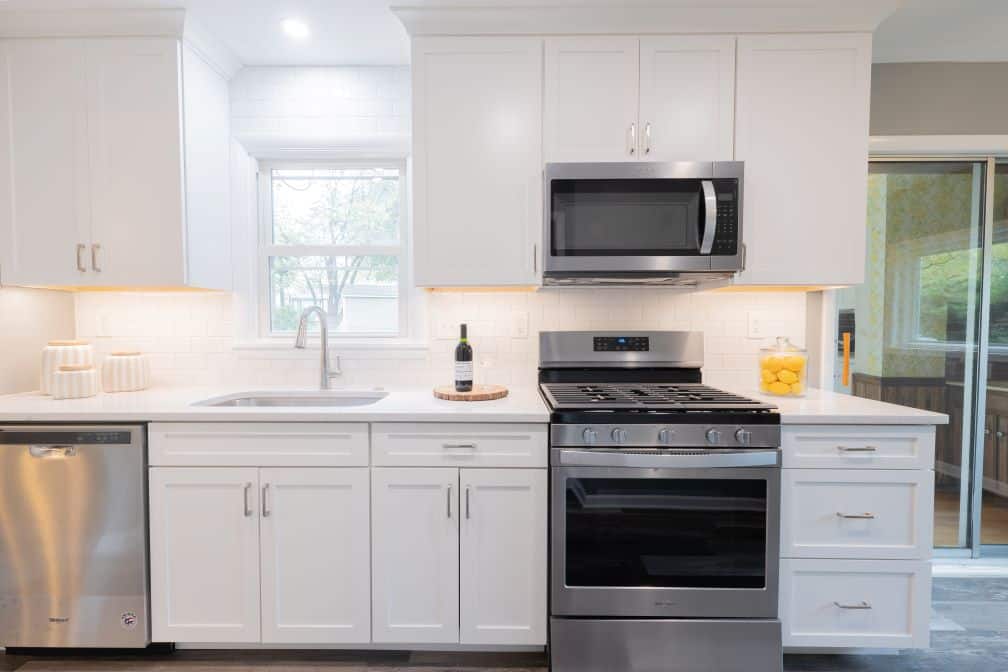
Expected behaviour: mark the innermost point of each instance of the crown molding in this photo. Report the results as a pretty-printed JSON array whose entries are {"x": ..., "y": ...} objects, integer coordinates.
[
  {"x": 567, "y": 17},
  {"x": 217, "y": 55},
  {"x": 93, "y": 23}
]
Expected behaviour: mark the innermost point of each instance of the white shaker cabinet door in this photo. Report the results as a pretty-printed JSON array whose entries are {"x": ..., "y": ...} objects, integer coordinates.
[
  {"x": 204, "y": 538},
  {"x": 802, "y": 131},
  {"x": 503, "y": 551},
  {"x": 44, "y": 199},
  {"x": 591, "y": 99},
  {"x": 316, "y": 559},
  {"x": 134, "y": 124},
  {"x": 415, "y": 537},
  {"x": 687, "y": 97},
  {"x": 477, "y": 159}
]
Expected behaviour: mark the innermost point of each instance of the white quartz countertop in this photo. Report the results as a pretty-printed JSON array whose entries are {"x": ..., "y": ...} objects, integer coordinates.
[
  {"x": 523, "y": 404},
  {"x": 822, "y": 407}
]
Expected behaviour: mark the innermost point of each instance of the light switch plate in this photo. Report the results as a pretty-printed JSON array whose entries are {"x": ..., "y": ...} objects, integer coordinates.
[
  {"x": 519, "y": 325},
  {"x": 757, "y": 324}
]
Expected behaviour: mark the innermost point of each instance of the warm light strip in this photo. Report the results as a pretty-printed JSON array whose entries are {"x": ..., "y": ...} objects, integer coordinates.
[
  {"x": 485, "y": 290},
  {"x": 85, "y": 288},
  {"x": 773, "y": 288}
]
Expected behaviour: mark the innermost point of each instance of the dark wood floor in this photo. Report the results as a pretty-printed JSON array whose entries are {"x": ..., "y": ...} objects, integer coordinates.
[{"x": 969, "y": 633}]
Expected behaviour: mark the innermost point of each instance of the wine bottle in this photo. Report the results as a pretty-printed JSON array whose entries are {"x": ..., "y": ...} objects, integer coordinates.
[{"x": 463, "y": 364}]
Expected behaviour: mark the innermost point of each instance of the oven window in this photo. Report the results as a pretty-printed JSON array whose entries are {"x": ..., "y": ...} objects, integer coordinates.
[
  {"x": 669, "y": 533},
  {"x": 649, "y": 217}
]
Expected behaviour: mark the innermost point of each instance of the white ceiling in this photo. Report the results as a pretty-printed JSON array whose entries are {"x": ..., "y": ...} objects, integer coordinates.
[{"x": 364, "y": 32}]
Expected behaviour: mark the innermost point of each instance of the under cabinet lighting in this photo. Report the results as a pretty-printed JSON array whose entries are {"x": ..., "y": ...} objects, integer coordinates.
[{"x": 295, "y": 28}]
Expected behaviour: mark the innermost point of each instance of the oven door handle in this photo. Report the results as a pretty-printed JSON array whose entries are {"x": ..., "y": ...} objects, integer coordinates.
[
  {"x": 710, "y": 217},
  {"x": 692, "y": 460}
]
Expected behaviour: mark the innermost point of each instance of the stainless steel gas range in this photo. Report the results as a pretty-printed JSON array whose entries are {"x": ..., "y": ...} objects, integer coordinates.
[{"x": 664, "y": 509}]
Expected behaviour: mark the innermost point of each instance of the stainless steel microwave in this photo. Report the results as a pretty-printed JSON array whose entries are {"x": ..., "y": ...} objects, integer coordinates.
[{"x": 642, "y": 223}]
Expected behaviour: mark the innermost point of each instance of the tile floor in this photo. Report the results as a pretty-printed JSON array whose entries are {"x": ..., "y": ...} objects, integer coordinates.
[{"x": 969, "y": 633}]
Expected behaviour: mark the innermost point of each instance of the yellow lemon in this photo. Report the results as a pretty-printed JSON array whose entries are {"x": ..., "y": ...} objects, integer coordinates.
[
  {"x": 764, "y": 387},
  {"x": 780, "y": 388},
  {"x": 796, "y": 388},
  {"x": 787, "y": 376},
  {"x": 772, "y": 363},
  {"x": 794, "y": 363},
  {"x": 768, "y": 376}
]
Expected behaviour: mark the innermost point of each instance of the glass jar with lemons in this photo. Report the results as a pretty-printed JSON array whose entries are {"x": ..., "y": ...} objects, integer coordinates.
[{"x": 782, "y": 369}]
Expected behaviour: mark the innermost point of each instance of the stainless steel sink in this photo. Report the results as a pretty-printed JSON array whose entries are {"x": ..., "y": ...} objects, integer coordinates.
[{"x": 296, "y": 399}]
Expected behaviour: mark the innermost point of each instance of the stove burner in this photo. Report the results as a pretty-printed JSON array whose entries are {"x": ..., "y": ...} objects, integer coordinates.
[{"x": 684, "y": 396}]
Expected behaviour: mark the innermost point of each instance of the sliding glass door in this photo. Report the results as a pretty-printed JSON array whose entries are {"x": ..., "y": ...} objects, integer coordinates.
[{"x": 930, "y": 323}]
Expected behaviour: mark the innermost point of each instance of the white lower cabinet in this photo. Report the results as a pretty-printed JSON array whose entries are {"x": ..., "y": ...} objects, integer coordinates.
[
  {"x": 316, "y": 560},
  {"x": 855, "y": 603},
  {"x": 415, "y": 541},
  {"x": 425, "y": 520},
  {"x": 204, "y": 546},
  {"x": 211, "y": 527}
]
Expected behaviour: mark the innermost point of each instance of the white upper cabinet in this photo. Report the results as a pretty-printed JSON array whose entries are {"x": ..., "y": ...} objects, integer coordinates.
[
  {"x": 93, "y": 181},
  {"x": 45, "y": 214},
  {"x": 663, "y": 98},
  {"x": 591, "y": 99},
  {"x": 802, "y": 131},
  {"x": 687, "y": 97},
  {"x": 477, "y": 137}
]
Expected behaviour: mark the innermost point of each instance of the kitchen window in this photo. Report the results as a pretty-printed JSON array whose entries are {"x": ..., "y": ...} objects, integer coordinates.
[{"x": 333, "y": 235}]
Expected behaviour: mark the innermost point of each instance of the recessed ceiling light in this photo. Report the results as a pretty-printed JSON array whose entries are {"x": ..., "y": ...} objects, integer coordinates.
[{"x": 295, "y": 28}]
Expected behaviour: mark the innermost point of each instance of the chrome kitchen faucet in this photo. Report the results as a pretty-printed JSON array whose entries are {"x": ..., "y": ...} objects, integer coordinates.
[{"x": 328, "y": 370}]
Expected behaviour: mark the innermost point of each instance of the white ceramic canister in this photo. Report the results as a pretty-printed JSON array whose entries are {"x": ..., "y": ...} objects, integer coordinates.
[
  {"x": 74, "y": 382},
  {"x": 125, "y": 372},
  {"x": 63, "y": 353}
]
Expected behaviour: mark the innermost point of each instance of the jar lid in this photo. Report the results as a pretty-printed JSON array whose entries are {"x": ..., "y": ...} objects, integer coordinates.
[
  {"x": 76, "y": 367},
  {"x": 60, "y": 343}
]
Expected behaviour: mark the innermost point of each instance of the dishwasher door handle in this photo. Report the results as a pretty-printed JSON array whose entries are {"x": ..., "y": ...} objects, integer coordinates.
[{"x": 43, "y": 452}]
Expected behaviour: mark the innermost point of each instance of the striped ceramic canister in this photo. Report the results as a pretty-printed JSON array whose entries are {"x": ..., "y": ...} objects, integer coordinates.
[
  {"x": 63, "y": 353},
  {"x": 125, "y": 372},
  {"x": 75, "y": 382}
]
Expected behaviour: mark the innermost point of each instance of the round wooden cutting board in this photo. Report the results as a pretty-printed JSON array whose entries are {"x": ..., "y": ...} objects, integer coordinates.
[{"x": 478, "y": 393}]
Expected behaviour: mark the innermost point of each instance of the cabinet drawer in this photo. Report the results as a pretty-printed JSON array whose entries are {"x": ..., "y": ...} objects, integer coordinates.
[
  {"x": 857, "y": 447},
  {"x": 259, "y": 444},
  {"x": 444, "y": 444},
  {"x": 855, "y": 603},
  {"x": 851, "y": 513}
]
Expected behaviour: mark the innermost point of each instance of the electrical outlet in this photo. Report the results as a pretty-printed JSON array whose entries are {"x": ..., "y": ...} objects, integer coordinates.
[
  {"x": 447, "y": 330},
  {"x": 519, "y": 325},
  {"x": 757, "y": 324}
]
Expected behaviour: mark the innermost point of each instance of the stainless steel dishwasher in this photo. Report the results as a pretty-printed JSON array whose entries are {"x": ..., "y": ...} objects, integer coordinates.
[{"x": 73, "y": 536}]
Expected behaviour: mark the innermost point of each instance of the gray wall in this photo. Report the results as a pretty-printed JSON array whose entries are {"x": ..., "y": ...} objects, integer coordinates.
[
  {"x": 28, "y": 319},
  {"x": 939, "y": 99}
]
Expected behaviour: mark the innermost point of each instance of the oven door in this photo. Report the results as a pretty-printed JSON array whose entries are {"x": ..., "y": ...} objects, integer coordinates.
[
  {"x": 644, "y": 218},
  {"x": 666, "y": 541}
]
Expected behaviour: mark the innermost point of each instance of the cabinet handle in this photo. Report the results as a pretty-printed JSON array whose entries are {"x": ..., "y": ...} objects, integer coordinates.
[
  {"x": 633, "y": 138},
  {"x": 265, "y": 501},
  {"x": 80, "y": 261},
  {"x": 459, "y": 446},
  {"x": 647, "y": 138},
  {"x": 987, "y": 431},
  {"x": 858, "y": 516},
  {"x": 245, "y": 496},
  {"x": 999, "y": 434},
  {"x": 94, "y": 257},
  {"x": 857, "y": 449},
  {"x": 535, "y": 259},
  {"x": 449, "y": 501},
  {"x": 467, "y": 502},
  {"x": 855, "y": 605}
]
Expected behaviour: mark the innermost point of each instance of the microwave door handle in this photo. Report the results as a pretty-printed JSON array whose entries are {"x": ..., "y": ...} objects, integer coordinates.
[{"x": 710, "y": 217}]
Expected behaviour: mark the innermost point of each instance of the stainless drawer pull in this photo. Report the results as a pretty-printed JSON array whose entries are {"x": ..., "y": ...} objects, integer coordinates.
[
  {"x": 857, "y": 449},
  {"x": 245, "y": 494},
  {"x": 80, "y": 262},
  {"x": 459, "y": 446},
  {"x": 858, "y": 516},
  {"x": 265, "y": 501},
  {"x": 94, "y": 258},
  {"x": 467, "y": 502},
  {"x": 449, "y": 500},
  {"x": 855, "y": 605}
]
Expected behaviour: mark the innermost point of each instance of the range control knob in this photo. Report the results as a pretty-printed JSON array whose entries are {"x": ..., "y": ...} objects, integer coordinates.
[
  {"x": 619, "y": 435},
  {"x": 665, "y": 436},
  {"x": 743, "y": 436},
  {"x": 713, "y": 436},
  {"x": 589, "y": 435}
]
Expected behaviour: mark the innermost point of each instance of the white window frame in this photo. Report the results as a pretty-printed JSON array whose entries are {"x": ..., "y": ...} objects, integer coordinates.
[{"x": 266, "y": 249}]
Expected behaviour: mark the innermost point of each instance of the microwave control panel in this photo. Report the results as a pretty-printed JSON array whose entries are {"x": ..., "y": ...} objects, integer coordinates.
[{"x": 726, "y": 240}]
